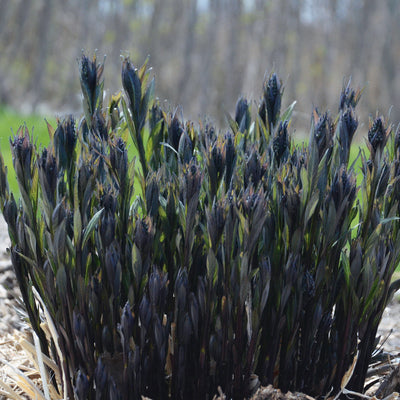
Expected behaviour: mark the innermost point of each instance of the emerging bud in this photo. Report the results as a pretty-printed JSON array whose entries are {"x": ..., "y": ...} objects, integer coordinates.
[
  {"x": 158, "y": 288},
  {"x": 242, "y": 115},
  {"x": 273, "y": 97},
  {"x": 156, "y": 115},
  {"x": 10, "y": 213},
  {"x": 325, "y": 324},
  {"x": 81, "y": 386},
  {"x": 356, "y": 258},
  {"x": 175, "y": 131},
  {"x": 145, "y": 312},
  {"x": 113, "y": 111},
  {"x": 323, "y": 132},
  {"x": 185, "y": 148},
  {"x": 171, "y": 209},
  {"x": 109, "y": 202},
  {"x": 3, "y": 178},
  {"x": 113, "y": 268},
  {"x": 152, "y": 197},
  {"x": 99, "y": 126},
  {"x": 65, "y": 141},
  {"x": 84, "y": 129},
  {"x": 253, "y": 171},
  {"x": 84, "y": 178},
  {"x": 262, "y": 111},
  {"x": 48, "y": 174},
  {"x": 378, "y": 133},
  {"x": 79, "y": 331},
  {"x": 90, "y": 76},
  {"x": 308, "y": 285},
  {"x": 216, "y": 223},
  {"x": 343, "y": 188},
  {"x": 229, "y": 153},
  {"x": 70, "y": 135},
  {"x": 127, "y": 322},
  {"x": 113, "y": 391},
  {"x": 396, "y": 175},
  {"x": 132, "y": 85},
  {"x": 107, "y": 340},
  {"x": 181, "y": 289},
  {"x": 250, "y": 200},
  {"x": 192, "y": 182},
  {"x": 298, "y": 158},
  {"x": 292, "y": 270},
  {"x": 397, "y": 141},
  {"x": 348, "y": 124},
  {"x": 291, "y": 202},
  {"x": 100, "y": 376},
  {"x": 217, "y": 160},
  {"x": 79, "y": 326},
  {"x": 215, "y": 166},
  {"x": 160, "y": 337},
  {"x": 281, "y": 142},
  {"x": 107, "y": 219},
  {"x": 209, "y": 135},
  {"x": 215, "y": 346},
  {"x": 119, "y": 159},
  {"x": 88, "y": 73},
  {"x": 144, "y": 234},
  {"x": 349, "y": 97},
  {"x": 22, "y": 150},
  {"x": 186, "y": 330}
]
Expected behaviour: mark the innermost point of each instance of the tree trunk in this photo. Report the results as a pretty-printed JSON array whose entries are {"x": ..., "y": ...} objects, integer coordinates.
[
  {"x": 44, "y": 26},
  {"x": 207, "y": 94},
  {"x": 184, "y": 86}
]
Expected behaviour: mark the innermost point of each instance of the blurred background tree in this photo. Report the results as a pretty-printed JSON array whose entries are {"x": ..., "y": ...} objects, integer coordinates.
[{"x": 205, "y": 53}]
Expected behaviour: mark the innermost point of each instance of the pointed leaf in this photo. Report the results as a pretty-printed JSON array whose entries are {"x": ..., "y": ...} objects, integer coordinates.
[
  {"x": 91, "y": 226},
  {"x": 287, "y": 114}
]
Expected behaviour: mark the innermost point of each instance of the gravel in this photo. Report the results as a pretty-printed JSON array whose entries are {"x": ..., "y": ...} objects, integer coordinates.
[{"x": 9, "y": 292}]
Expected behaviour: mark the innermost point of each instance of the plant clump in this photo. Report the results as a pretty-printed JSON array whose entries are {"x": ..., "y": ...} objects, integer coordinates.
[{"x": 228, "y": 259}]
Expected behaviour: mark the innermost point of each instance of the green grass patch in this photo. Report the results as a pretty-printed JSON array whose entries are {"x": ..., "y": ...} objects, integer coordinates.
[{"x": 10, "y": 121}]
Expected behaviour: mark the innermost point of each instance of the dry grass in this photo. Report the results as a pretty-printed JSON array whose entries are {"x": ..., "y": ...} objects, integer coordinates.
[
  {"x": 13, "y": 356},
  {"x": 22, "y": 371}
]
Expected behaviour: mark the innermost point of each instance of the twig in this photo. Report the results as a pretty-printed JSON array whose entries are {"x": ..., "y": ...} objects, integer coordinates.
[
  {"x": 363, "y": 396},
  {"x": 389, "y": 384},
  {"x": 381, "y": 370}
]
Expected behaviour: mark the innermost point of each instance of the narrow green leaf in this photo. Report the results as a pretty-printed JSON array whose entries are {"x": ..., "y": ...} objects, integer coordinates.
[
  {"x": 212, "y": 267},
  {"x": 77, "y": 215},
  {"x": 91, "y": 226},
  {"x": 61, "y": 279},
  {"x": 287, "y": 114},
  {"x": 32, "y": 238},
  {"x": 129, "y": 122},
  {"x": 264, "y": 297},
  {"x": 77, "y": 226},
  {"x": 146, "y": 101},
  {"x": 169, "y": 147},
  {"x": 311, "y": 207}
]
